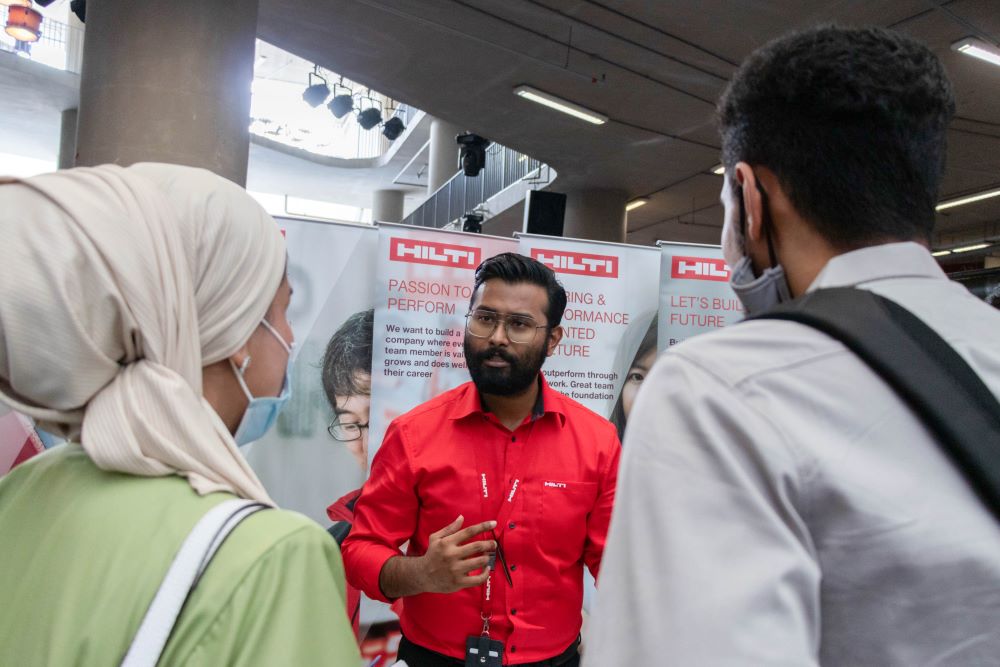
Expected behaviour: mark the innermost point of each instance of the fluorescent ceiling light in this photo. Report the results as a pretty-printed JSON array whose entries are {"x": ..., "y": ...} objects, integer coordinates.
[
  {"x": 719, "y": 170},
  {"x": 559, "y": 104},
  {"x": 941, "y": 253},
  {"x": 636, "y": 203},
  {"x": 969, "y": 248},
  {"x": 979, "y": 196},
  {"x": 977, "y": 48}
]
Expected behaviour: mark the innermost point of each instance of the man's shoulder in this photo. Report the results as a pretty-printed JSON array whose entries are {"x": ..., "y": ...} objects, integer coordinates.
[
  {"x": 742, "y": 351},
  {"x": 579, "y": 414}
]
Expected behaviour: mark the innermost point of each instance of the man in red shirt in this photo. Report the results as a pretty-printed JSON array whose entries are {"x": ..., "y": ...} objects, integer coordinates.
[{"x": 529, "y": 472}]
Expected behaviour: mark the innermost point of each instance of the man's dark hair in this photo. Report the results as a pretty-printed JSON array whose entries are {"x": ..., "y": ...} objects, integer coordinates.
[
  {"x": 348, "y": 354},
  {"x": 852, "y": 122},
  {"x": 993, "y": 298},
  {"x": 513, "y": 268}
]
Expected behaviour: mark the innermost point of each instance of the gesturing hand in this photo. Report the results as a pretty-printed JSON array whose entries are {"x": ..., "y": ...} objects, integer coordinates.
[{"x": 446, "y": 566}]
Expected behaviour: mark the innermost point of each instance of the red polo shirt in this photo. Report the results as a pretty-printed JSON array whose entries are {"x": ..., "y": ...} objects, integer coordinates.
[{"x": 430, "y": 469}]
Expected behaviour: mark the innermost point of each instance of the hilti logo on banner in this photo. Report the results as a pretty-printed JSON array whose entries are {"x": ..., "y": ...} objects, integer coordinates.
[
  {"x": 601, "y": 266},
  {"x": 438, "y": 254},
  {"x": 699, "y": 268}
]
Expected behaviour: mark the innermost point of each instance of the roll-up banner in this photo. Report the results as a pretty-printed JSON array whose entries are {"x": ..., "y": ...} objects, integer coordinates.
[
  {"x": 330, "y": 268},
  {"x": 423, "y": 284},
  {"x": 695, "y": 296},
  {"x": 612, "y": 293}
]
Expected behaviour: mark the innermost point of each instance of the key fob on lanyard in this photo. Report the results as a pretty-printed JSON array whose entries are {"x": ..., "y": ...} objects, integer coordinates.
[{"x": 481, "y": 651}]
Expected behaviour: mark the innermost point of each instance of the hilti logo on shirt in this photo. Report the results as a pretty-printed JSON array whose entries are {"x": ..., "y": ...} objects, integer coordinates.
[
  {"x": 578, "y": 263},
  {"x": 556, "y": 485},
  {"x": 486, "y": 493},
  {"x": 438, "y": 254},
  {"x": 513, "y": 490},
  {"x": 699, "y": 268}
]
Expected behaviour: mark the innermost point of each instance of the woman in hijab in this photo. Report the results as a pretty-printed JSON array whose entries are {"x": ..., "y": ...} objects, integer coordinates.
[{"x": 142, "y": 317}]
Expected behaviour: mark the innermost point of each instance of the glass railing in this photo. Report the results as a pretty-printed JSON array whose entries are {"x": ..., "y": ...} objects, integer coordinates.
[{"x": 461, "y": 194}]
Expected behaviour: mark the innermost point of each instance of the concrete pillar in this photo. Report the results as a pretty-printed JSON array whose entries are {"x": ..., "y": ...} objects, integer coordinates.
[
  {"x": 442, "y": 163},
  {"x": 67, "y": 139},
  {"x": 597, "y": 215},
  {"x": 168, "y": 82},
  {"x": 387, "y": 206}
]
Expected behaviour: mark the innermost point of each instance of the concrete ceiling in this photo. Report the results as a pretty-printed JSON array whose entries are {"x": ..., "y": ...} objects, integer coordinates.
[{"x": 655, "y": 68}]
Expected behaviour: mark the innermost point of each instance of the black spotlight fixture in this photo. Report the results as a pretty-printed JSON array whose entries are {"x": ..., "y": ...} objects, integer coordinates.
[
  {"x": 79, "y": 7},
  {"x": 472, "y": 223},
  {"x": 316, "y": 93},
  {"x": 393, "y": 128},
  {"x": 341, "y": 105},
  {"x": 473, "y": 155},
  {"x": 370, "y": 117},
  {"x": 343, "y": 100}
]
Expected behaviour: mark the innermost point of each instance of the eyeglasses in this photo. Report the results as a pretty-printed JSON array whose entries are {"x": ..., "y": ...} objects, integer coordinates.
[
  {"x": 345, "y": 431},
  {"x": 519, "y": 328}
]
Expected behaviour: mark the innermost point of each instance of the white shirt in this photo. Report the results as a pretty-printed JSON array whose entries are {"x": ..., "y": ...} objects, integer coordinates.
[{"x": 777, "y": 504}]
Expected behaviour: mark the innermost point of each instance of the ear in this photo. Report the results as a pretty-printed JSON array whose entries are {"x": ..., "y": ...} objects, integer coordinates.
[
  {"x": 554, "y": 337},
  {"x": 752, "y": 202},
  {"x": 240, "y": 356}
]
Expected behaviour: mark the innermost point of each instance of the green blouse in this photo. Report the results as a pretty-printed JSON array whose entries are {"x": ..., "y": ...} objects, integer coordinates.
[{"x": 83, "y": 551}]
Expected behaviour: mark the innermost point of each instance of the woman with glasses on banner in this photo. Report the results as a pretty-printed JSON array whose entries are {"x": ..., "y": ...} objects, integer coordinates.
[{"x": 143, "y": 317}]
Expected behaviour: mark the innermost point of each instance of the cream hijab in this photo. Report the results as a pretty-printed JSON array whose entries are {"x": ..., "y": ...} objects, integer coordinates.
[{"x": 117, "y": 285}]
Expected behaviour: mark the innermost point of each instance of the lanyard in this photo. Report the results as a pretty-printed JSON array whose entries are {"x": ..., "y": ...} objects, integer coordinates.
[{"x": 518, "y": 459}]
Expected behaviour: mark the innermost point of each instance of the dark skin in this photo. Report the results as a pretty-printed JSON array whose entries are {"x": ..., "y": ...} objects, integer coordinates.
[{"x": 451, "y": 556}]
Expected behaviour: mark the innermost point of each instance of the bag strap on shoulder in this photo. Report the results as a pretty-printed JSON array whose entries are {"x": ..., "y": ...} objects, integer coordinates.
[
  {"x": 938, "y": 385},
  {"x": 186, "y": 570}
]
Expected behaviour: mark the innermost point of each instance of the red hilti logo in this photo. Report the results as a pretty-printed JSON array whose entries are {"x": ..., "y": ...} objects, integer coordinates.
[
  {"x": 601, "y": 266},
  {"x": 699, "y": 268},
  {"x": 438, "y": 254}
]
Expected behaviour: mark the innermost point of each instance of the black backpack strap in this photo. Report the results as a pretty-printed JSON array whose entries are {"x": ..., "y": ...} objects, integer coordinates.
[{"x": 925, "y": 371}]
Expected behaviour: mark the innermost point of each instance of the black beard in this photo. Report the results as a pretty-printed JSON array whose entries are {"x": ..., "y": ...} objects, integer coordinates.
[{"x": 510, "y": 381}]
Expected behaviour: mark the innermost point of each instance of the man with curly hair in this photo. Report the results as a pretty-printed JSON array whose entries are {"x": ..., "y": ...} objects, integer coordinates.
[{"x": 778, "y": 504}]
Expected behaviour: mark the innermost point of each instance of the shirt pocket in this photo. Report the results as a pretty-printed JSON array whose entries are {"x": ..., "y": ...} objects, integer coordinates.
[{"x": 562, "y": 523}]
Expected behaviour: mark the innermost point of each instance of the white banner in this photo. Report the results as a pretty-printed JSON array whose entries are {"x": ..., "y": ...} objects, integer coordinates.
[
  {"x": 330, "y": 267},
  {"x": 695, "y": 296},
  {"x": 611, "y": 295},
  {"x": 424, "y": 282}
]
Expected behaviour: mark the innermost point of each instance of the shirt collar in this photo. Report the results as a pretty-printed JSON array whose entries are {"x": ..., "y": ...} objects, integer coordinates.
[
  {"x": 879, "y": 262},
  {"x": 469, "y": 402}
]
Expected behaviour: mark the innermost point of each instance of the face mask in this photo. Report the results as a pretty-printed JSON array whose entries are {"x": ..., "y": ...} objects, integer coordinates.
[
  {"x": 758, "y": 293},
  {"x": 262, "y": 412}
]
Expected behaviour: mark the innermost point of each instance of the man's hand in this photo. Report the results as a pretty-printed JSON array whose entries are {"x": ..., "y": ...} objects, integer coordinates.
[
  {"x": 445, "y": 567},
  {"x": 447, "y": 563}
]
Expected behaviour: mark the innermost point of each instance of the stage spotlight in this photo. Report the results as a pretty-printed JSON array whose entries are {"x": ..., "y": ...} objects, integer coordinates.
[
  {"x": 473, "y": 223},
  {"x": 316, "y": 93},
  {"x": 341, "y": 105},
  {"x": 79, "y": 7},
  {"x": 370, "y": 117},
  {"x": 473, "y": 156},
  {"x": 393, "y": 128}
]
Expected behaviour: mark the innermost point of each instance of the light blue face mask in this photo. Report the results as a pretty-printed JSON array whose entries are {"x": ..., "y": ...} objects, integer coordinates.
[{"x": 262, "y": 412}]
